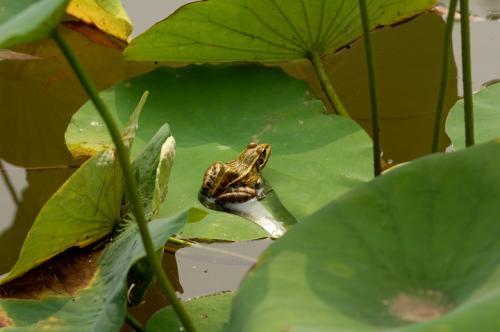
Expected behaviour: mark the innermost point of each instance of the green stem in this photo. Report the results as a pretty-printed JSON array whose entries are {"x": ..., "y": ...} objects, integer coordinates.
[
  {"x": 134, "y": 323},
  {"x": 327, "y": 85},
  {"x": 466, "y": 73},
  {"x": 450, "y": 21},
  {"x": 373, "y": 87},
  {"x": 130, "y": 184}
]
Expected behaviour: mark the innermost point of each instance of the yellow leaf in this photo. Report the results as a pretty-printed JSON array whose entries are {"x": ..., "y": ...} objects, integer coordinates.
[{"x": 108, "y": 15}]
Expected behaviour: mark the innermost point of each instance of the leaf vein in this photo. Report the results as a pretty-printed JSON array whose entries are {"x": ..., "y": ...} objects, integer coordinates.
[
  {"x": 289, "y": 22},
  {"x": 308, "y": 25},
  {"x": 229, "y": 47},
  {"x": 244, "y": 34},
  {"x": 332, "y": 22},
  {"x": 270, "y": 28}
]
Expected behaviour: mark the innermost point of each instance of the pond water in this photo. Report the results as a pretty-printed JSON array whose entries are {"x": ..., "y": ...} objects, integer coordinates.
[{"x": 408, "y": 64}]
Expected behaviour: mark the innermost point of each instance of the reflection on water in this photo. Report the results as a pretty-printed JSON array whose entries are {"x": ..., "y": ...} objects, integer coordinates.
[
  {"x": 485, "y": 41},
  {"x": 14, "y": 182},
  {"x": 22, "y": 194},
  {"x": 494, "y": 16},
  {"x": 490, "y": 82},
  {"x": 485, "y": 52},
  {"x": 489, "y": 9},
  {"x": 202, "y": 269}
]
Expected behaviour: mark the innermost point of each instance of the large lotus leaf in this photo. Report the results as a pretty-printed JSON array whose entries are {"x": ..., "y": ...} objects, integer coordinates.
[
  {"x": 417, "y": 243},
  {"x": 486, "y": 117},
  {"x": 262, "y": 30},
  {"x": 85, "y": 208},
  {"x": 214, "y": 113},
  {"x": 209, "y": 314},
  {"x": 23, "y": 21},
  {"x": 107, "y": 15},
  {"x": 101, "y": 305}
]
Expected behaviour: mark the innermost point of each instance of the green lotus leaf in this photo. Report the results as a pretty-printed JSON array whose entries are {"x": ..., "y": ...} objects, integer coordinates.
[
  {"x": 262, "y": 30},
  {"x": 84, "y": 209},
  {"x": 24, "y": 21},
  {"x": 101, "y": 306},
  {"x": 209, "y": 314},
  {"x": 214, "y": 113},
  {"x": 486, "y": 117},
  {"x": 108, "y": 15},
  {"x": 416, "y": 249}
]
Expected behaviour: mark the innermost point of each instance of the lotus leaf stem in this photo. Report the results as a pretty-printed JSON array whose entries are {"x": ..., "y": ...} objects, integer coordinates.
[
  {"x": 327, "y": 85},
  {"x": 130, "y": 183},
  {"x": 134, "y": 323},
  {"x": 373, "y": 87},
  {"x": 444, "y": 74},
  {"x": 466, "y": 72}
]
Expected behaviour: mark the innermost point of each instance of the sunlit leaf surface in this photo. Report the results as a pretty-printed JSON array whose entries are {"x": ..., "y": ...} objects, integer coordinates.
[
  {"x": 262, "y": 30},
  {"x": 486, "y": 117},
  {"x": 214, "y": 113},
  {"x": 108, "y": 15},
  {"x": 417, "y": 243}
]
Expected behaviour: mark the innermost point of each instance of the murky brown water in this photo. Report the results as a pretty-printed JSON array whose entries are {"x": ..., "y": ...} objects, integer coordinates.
[{"x": 408, "y": 64}]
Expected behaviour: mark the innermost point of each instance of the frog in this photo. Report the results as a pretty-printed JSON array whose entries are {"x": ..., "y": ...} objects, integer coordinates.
[{"x": 238, "y": 180}]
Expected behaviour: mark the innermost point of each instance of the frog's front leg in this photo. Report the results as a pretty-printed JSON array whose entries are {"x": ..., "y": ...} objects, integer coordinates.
[
  {"x": 210, "y": 178},
  {"x": 236, "y": 195},
  {"x": 259, "y": 187}
]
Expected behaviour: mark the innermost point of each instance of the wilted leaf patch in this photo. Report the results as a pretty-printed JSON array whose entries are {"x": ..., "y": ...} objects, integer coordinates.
[{"x": 63, "y": 275}]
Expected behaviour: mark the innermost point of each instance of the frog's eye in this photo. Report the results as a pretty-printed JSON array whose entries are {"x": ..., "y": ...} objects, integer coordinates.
[
  {"x": 262, "y": 157},
  {"x": 251, "y": 145}
]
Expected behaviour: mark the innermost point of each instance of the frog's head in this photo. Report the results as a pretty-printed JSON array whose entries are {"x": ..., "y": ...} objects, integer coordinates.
[{"x": 256, "y": 155}]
